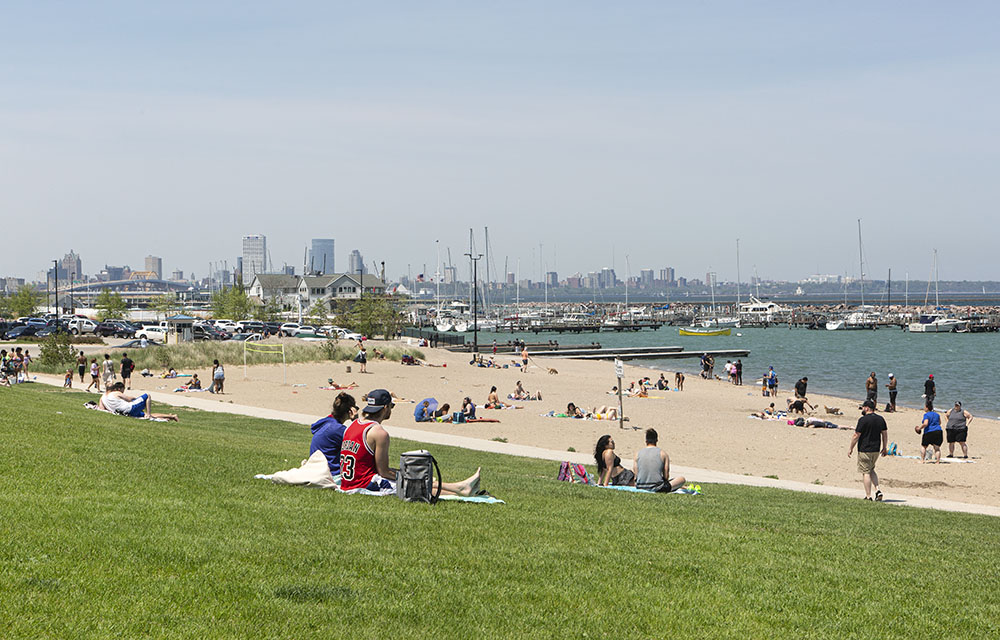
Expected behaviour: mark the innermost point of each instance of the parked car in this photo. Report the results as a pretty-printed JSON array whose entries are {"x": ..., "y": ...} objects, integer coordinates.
[
  {"x": 344, "y": 334},
  {"x": 153, "y": 331},
  {"x": 274, "y": 328},
  {"x": 250, "y": 326},
  {"x": 226, "y": 325},
  {"x": 48, "y": 330},
  {"x": 246, "y": 337},
  {"x": 116, "y": 328},
  {"x": 136, "y": 344},
  {"x": 79, "y": 326},
  {"x": 23, "y": 331},
  {"x": 304, "y": 329}
]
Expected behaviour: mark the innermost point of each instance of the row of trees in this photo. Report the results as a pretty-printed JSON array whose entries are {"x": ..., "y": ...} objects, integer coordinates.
[{"x": 24, "y": 302}]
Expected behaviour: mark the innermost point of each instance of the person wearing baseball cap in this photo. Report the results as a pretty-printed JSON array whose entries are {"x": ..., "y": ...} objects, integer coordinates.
[
  {"x": 364, "y": 453},
  {"x": 892, "y": 393},
  {"x": 930, "y": 389},
  {"x": 871, "y": 439}
]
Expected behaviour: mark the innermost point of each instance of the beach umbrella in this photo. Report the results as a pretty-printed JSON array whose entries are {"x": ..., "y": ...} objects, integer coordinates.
[{"x": 418, "y": 413}]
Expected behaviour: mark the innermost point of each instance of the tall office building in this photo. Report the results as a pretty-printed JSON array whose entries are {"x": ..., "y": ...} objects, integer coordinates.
[
  {"x": 321, "y": 256},
  {"x": 72, "y": 265},
  {"x": 155, "y": 264},
  {"x": 356, "y": 262},
  {"x": 646, "y": 277},
  {"x": 667, "y": 275},
  {"x": 254, "y": 257}
]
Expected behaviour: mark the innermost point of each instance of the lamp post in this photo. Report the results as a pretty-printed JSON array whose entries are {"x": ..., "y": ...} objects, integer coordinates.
[
  {"x": 475, "y": 300},
  {"x": 55, "y": 279}
]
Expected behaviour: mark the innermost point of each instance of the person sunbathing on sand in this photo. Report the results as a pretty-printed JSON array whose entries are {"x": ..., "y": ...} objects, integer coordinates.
[
  {"x": 493, "y": 401},
  {"x": 766, "y": 414}
]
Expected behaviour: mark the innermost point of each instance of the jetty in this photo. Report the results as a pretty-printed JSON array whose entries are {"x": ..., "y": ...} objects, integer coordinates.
[{"x": 641, "y": 353}]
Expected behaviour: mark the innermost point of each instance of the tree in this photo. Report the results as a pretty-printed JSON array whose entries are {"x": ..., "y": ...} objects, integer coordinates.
[
  {"x": 232, "y": 303},
  {"x": 373, "y": 315},
  {"x": 4, "y": 307},
  {"x": 24, "y": 302},
  {"x": 110, "y": 305},
  {"x": 55, "y": 350},
  {"x": 166, "y": 305},
  {"x": 267, "y": 311},
  {"x": 319, "y": 312}
]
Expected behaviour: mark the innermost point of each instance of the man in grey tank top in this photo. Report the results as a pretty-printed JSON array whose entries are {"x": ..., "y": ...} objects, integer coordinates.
[
  {"x": 958, "y": 429},
  {"x": 652, "y": 467}
]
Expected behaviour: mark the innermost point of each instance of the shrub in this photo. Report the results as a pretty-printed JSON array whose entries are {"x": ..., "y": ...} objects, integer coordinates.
[{"x": 56, "y": 351}]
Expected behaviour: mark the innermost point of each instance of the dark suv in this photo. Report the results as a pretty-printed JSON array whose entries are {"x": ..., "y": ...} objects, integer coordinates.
[{"x": 116, "y": 328}]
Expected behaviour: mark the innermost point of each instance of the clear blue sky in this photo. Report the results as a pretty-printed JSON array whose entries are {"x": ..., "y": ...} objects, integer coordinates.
[{"x": 659, "y": 130}]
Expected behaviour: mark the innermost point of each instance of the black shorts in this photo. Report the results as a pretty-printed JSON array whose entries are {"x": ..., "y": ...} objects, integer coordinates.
[
  {"x": 934, "y": 437},
  {"x": 957, "y": 435},
  {"x": 81, "y": 369},
  {"x": 126, "y": 375}
]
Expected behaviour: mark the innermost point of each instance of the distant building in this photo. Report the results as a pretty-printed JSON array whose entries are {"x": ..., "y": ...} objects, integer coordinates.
[
  {"x": 646, "y": 277},
  {"x": 177, "y": 275},
  {"x": 667, "y": 275},
  {"x": 450, "y": 275},
  {"x": 254, "y": 256},
  {"x": 11, "y": 285},
  {"x": 155, "y": 264},
  {"x": 321, "y": 256},
  {"x": 552, "y": 278},
  {"x": 607, "y": 278},
  {"x": 682, "y": 282},
  {"x": 511, "y": 278},
  {"x": 288, "y": 270},
  {"x": 72, "y": 265},
  {"x": 356, "y": 262}
]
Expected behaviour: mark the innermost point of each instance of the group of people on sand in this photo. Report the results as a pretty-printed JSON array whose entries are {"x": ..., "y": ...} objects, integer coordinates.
[
  {"x": 443, "y": 412},
  {"x": 602, "y": 412},
  {"x": 356, "y": 446}
]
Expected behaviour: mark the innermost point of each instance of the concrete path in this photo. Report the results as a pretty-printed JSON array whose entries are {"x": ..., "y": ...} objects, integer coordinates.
[{"x": 208, "y": 402}]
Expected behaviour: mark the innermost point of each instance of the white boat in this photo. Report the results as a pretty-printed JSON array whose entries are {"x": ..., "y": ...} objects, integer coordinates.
[
  {"x": 936, "y": 323},
  {"x": 866, "y": 319},
  {"x": 763, "y": 312},
  {"x": 444, "y": 326},
  {"x": 461, "y": 326},
  {"x": 716, "y": 323}
]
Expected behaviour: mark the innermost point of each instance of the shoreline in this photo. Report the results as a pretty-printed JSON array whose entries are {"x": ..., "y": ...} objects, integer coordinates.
[{"x": 706, "y": 426}]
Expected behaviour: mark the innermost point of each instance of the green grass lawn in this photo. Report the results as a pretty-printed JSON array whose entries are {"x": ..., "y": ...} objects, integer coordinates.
[{"x": 113, "y": 527}]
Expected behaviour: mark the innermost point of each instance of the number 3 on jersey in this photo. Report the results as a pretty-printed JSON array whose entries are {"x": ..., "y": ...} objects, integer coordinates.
[{"x": 347, "y": 466}]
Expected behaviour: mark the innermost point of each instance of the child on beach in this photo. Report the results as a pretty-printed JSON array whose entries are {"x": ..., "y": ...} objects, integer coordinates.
[{"x": 68, "y": 380}]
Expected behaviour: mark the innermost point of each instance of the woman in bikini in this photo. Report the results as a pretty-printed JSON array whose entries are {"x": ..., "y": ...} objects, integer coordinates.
[{"x": 609, "y": 466}]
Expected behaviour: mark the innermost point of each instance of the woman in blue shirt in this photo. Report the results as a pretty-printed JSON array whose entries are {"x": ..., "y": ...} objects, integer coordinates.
[
  {"x": 933, "y": 435},
  {"x": 328, "y": 432}
]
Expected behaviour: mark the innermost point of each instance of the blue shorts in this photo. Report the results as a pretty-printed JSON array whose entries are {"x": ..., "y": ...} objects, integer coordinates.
[
  {"x": 138, "y": 407},
  {"x": 378, "y": 484}
]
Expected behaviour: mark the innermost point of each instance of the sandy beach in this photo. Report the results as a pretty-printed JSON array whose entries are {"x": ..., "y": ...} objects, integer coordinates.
[{"x": 706, "y": 425}]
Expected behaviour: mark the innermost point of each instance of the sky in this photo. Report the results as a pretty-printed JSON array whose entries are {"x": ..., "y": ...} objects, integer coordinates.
[{"x": 582, "y": 134}]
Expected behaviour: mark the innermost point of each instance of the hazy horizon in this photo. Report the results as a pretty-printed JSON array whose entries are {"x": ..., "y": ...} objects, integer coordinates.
[{"x": 579, "y": 133}]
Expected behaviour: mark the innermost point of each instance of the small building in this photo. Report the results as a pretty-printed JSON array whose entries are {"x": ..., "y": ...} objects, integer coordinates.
[{"x": 180, "y": 328}]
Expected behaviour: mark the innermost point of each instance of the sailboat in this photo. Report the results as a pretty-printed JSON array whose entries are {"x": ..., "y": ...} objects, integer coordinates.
[
  {"x": 865, "y": 317},
  {"x": 937, "y": 322},
  {"x": 715, "y": 322}
]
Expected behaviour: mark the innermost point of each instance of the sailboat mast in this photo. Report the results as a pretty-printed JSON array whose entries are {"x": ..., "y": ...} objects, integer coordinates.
[
  {"x": 861, "y": 263},
  {"x": 737, "y": 275},
  {"x": 888, "y": 301},
  {"x": 937, "y": 299}
]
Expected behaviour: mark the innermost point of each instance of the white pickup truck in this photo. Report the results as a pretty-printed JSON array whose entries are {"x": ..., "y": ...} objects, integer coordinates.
[{"x": 77, "y": 326}]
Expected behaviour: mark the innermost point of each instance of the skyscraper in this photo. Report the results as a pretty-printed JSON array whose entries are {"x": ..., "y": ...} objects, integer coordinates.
[
  {"x": 254, "y": 257},
  {"x": 356, "y": 262},
  {"x": 155, "y": 264},
  {"x": 321, "y": 256},
  {"x": 72, "y": 265}
]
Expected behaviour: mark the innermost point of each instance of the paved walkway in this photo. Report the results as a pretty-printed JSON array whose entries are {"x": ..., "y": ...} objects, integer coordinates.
[{"x": 693, "y": 474}]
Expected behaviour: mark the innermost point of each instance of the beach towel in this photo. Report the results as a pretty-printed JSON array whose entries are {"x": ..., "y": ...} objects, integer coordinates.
[
  {"x": 482, "y": 420},
  {"x": 689, "y": 489},
  {"x": 186, "y": 390}
]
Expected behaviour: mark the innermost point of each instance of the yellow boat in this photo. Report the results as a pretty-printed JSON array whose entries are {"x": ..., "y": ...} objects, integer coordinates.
[{"x": 698, "y": 331}]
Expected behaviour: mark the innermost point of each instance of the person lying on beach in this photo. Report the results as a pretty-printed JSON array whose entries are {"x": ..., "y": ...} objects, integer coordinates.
[
  {"x": 365, "y": 452},
  {"x": 766, "y": 414},
  {"x": 171, "y": 373},
  {"x": 799, "y": 406},
  {"x": 116, "y": 401},
  {"x": 328, "y": 432},
  {"x": 603, "y": 412},
  {"x": 335, "y": 385},
  {"x": 573, "y": 411},
  {"x": 609, "y": 466}
]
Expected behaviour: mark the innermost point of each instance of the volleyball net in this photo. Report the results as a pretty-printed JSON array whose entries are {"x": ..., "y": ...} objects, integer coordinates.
[{"x": 267, "y": 349}]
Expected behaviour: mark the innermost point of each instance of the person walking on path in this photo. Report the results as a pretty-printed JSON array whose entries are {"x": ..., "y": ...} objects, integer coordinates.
[
  {"x": 524, "y": 359},
  {"x": 871, "y": 386},
  {"x": 930, "y": 389},
  {"x": 107, "y": 371},
  {"x": 871, "y": 439},
  {"x": 800, "y": 387},
  {"x": 127, "y": 367},
  {"x": 95, "y": 375},
  {"x": 892, "y": 393},
  {"x": 81, "y": 365},
  {"x": 958, "y": 429},
  {"x": 933, "y": 436}
]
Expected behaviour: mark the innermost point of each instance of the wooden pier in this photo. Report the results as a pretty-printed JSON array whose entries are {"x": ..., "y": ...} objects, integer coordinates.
[{"x": 647, "y": 353}]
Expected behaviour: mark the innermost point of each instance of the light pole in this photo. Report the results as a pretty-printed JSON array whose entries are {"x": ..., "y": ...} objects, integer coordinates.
[
  {"x": 55, "y": 279},
  {"x": 475, "y": 300}
]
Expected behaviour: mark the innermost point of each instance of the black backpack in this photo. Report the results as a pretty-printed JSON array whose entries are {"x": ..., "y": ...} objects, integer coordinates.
[{"x": 415, "y": 482}]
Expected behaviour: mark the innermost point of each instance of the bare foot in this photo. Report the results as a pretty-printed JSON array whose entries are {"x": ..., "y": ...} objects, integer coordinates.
[{"x": 470, "y": 486}]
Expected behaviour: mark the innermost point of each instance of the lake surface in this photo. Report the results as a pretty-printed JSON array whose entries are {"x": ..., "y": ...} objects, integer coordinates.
[{"x": 836, "y": 362}]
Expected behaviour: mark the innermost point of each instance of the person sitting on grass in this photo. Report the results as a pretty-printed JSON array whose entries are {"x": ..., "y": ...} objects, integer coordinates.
[
  {"x": 609, "y": 466},
  {"x": 364, "y": 453},
  {"x": 652, "y": 467},
  {"x": 328, "y": 432},
  {"x": 116, "y": 401}
]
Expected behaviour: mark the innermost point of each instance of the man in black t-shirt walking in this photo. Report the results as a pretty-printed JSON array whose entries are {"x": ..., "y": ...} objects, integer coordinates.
[{"x": 872, "y": 440}]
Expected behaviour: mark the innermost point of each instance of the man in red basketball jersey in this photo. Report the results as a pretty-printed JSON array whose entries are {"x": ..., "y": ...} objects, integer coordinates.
[{"x": 364, "y": 453}]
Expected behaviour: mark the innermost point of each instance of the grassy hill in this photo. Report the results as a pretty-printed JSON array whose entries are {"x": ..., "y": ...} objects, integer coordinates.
[{"x": 114, "y": 527}]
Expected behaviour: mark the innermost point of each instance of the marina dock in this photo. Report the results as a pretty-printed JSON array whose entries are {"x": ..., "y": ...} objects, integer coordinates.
[{"x": 644, "y": 353}]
